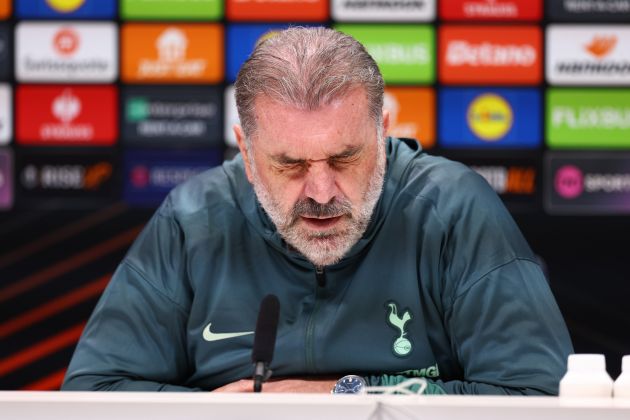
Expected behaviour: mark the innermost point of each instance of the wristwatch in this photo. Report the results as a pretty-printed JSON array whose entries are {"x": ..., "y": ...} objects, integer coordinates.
[{"x": 350, "y": 384}]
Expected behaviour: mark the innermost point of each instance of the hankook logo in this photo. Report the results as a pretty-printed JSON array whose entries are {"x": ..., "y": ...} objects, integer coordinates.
[{"x": 588, "y": 54}]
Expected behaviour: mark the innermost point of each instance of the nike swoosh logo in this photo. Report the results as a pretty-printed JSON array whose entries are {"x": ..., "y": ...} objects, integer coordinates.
[{"x": 210, "y": 336}]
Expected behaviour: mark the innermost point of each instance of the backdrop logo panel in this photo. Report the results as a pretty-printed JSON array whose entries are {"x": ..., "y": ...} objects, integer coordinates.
[
  {"x": 494, "y": 55},
  {"x": 183, "y": 115},
  {"x": 83, "y": 9},
  {"x": 383, "y": 10},
  {"x": 581, "y": 183},
  {"x": 66, "y": 115},
  {"x": 411, "y": 113},
  {"x": 182, "y": 53},
  {"x": 230, "y": 117},
  {"x": 6, "y": 179},
  {"x": 66, "y": 52},
  {"x": 588, "y": 54},
  {"x": 151, "y": 174},
  {"x": 516, "y": 179},
  {"x": 405, "y": 54},
  {"x": 589, "y": 10},
  {"x": 491, "y": 10},
  {"x": 6, "y": 62},
  {"x": 5, "y": 9},
  {"x": 241, "y": 39},
  {"x": 588, "y": 118},
  {"x": 67, "y": 178},
  {"x": 6, "y": 114},
  {"x": 277, "y": 10},
  {"x": 171, "y": 9},
  {"x": 489, "y": 118}
]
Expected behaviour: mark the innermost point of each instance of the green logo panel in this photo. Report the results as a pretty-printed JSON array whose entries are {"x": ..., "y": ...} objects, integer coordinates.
[
  {"x": 588, "y": 118},
  {"x": 172, "y": 9},
  {"x": 405, "y": 54}
]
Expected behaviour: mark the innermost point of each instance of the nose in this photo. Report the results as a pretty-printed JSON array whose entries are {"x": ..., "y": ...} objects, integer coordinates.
[{"x": 320, "y": 183}]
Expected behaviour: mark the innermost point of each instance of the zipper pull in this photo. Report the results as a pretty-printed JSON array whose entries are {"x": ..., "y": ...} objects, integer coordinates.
[{"x": 320, "y": 276}]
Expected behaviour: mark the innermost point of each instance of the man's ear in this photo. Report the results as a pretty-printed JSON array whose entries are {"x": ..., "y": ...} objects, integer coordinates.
[
  {"x": 385, "y": 122},
  {"x": 240, "y": 140}
]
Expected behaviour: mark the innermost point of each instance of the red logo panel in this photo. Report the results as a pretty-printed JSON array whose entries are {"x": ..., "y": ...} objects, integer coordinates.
[
  {"x": 66, "y": 115},
  {"x": 490, "y": 55},
  {"x": 490, "y": 10}
]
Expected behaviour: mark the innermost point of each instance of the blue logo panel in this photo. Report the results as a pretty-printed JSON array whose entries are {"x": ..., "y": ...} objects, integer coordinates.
[
  {"x": 241, "y": 39},
  {"x": 151, "y": 174},
  {"x": 63, "y": 9},
  {"x": 489, "y": 118}
]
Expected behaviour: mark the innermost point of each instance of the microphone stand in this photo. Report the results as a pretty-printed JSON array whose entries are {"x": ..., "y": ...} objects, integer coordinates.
[{"x": 261, "y": 374}]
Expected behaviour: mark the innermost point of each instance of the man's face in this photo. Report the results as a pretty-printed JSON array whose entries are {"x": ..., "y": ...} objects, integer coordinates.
[{"x": 318, "y": 174}]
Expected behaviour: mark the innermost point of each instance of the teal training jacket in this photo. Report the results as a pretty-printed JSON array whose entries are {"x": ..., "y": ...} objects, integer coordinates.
[{"x": 442, "y": 285}]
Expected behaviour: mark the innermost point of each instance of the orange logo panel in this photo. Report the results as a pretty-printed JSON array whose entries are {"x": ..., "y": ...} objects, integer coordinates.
[
  {"x": 411, "y": 113},
  {"x": 277, "y": 10},
  {"x": 5, "y": 9},
  {"x": 495, "y": 55},
  {"x": 172, "y": 53}
]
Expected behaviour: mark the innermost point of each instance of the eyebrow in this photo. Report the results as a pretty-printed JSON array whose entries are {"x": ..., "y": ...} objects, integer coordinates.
[{"x": 349, "y": 152}]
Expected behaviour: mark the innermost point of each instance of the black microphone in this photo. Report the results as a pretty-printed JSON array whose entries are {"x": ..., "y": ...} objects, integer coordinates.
[{"x": 265, "y": 339}]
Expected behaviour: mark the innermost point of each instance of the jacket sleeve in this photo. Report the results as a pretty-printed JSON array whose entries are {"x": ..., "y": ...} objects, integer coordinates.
[
  {"x": 135, "y": 339},
  {"x": 508, "y": 334},
  {"x": 506, "y": 331}
]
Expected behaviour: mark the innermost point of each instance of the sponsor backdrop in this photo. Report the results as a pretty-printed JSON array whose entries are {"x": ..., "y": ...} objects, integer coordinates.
[{"x": 105, "y": 105}]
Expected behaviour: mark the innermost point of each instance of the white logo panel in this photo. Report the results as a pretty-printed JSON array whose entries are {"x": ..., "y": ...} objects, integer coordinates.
[
  {"x": 66, "y": 52},
  {"x": 383, "y": 10},
  {"x": 6, "y": 114},
  {"x": 588, "y": 55}
]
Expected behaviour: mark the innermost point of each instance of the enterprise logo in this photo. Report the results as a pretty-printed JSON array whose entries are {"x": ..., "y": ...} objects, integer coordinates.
[
  {"x": 594, "y": 183},
  {"x": 183, "y": 115},
  {"x": 518, "y": 180},
  {"x": 588, "y": 54},
  {"x": 84, "y": 9},
  {"x": 403, "y": 53},
  {"x": 77, "y": 52},
  {"x": 383, "y": 10},
  {"x": 491, "y": 55},
  {"x": 588, "y": 118},
  {"x": 277, "y": 10},
  {"x": 6, "y": 114},
  {"x": 589, "y": 10},
  {"x": 66, "y": 177},
  {"x": 491, "y": 9},
  {"x": 151, "y": 174},
  {"x": 57, "y": 115},
  {"x": 489, "y": 118},
  {"x": 168, "y": 53},
  {"x": 6, "y": 180}
]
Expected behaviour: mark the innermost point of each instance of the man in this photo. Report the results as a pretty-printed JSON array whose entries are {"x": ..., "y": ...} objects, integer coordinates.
[{"x": 388, "y": 263}]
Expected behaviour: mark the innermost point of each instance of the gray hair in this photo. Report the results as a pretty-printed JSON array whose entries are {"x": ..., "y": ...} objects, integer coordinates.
[{"x": 306, "y": 68}]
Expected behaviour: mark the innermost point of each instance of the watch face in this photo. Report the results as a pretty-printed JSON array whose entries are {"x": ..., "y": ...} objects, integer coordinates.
[{"x": 351, "y": 384}]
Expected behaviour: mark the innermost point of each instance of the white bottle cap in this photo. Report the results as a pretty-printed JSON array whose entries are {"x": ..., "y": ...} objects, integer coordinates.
[
  {"x": 625, "y": 363},
  {"x": 587, "y": 362}
]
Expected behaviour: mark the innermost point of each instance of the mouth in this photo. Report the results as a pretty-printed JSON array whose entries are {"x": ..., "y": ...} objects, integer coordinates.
[{"x": 320, "y": 223}]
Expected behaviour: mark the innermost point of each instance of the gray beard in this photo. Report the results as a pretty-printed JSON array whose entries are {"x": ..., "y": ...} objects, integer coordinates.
[{"x": 329, "y": 246}]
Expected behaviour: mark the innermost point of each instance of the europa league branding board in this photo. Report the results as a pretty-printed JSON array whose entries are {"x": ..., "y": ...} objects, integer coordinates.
[{"x": 103, "y": 100}]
